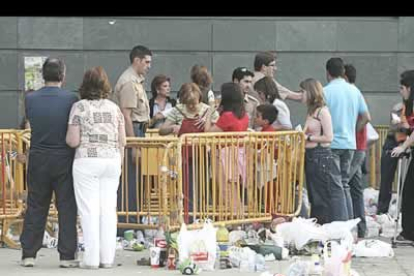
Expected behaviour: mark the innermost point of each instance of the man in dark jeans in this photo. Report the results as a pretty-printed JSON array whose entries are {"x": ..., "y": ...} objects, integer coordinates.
[
  {"x": 355, "y": 175},
  {"x": 129, "y": 93},
  {"x": 50, "y": 167},
  {"x": 345, "y": 103},
  {"x": 388, "y": 163}
]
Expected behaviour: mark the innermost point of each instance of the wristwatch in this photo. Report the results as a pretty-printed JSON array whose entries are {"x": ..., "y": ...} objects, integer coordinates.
[{"x": 309, "y": 138}]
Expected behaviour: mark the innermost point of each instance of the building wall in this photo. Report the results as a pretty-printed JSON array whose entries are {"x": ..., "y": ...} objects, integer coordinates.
[{"x": 379, "y": 47}]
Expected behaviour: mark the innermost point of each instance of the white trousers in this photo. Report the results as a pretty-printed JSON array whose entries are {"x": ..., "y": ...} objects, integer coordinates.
[{"x": 96, "y": 183}]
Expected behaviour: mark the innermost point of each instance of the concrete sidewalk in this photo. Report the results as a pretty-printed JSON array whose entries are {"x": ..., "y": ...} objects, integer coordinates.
[{"x": 47, "y": 265}]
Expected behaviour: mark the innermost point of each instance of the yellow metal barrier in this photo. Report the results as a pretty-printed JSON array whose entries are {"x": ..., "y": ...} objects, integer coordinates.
[
  {"x": 375, "y": 152},
  {"x": 152, "y": 132},
  {"x": 53, "y": 213},
  {"x": 241, "y": 177},
  {"x": 149, "y": 187},
  {"x": 11, "y": 179}
]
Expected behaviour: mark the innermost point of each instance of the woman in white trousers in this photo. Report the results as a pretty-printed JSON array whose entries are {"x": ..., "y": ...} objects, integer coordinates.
[{"x": 97, "y": 131}]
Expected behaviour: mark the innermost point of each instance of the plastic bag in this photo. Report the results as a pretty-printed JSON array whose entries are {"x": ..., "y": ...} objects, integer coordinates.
[
  {"x": 337, "y": 259},
  {"x": 371, "y": 201},
  {"x": 341, "y": 230},
  {"x": 392, "y": 210},
  {"x": 373, "y": 227},
  {"x": 300, "y": 231},
  {"x": 198, "y": 245},
  {"x": 268, "y": 173},
  {"x": 237, "y": 235},
  {"x": 373, "y": 248},
  {"x": 372, "y": 134},
  {"x": 150, "y": 233},
  {"x": 387, "y": 225}
]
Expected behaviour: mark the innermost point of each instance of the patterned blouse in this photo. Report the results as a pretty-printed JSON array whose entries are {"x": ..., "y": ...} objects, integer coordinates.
[{"x": 99, "y": 121}]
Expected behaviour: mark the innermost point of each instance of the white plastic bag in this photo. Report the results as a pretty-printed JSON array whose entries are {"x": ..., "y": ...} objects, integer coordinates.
[
  {"x": 371, "y": 201},
  {"x": 300, "y": 231},
  {"x": 337, "y": 259},
  {"x": 341, "y": 230},
  {"x": 268, "y": 173},
  {"x": 149, "y": 233},
  {"x": 373, "y": 248},
  {"x": 373, "y": 227},
  {"x": 199, "y": 245},
  {"x": 387, "y": 225},
  {"x": 392, "y": 210},
  {"x": 237, "y": 235},
  {"x": 372, "y": 134}
]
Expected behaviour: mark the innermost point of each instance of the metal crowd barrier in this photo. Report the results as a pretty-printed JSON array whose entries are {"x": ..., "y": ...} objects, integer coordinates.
[
  {"x": 241, "y": 177},
  {"x": 374, "y": 158},
  {"x": 150, "y": 190},
  {"x": 11, "y": 180}
]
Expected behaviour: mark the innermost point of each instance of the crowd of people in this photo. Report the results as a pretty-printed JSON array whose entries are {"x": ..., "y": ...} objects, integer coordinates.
[{"x": 77, "y": 146}]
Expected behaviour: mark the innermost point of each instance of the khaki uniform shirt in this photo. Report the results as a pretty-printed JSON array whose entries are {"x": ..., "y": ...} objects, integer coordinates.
[{"x": 129, "y": 92}]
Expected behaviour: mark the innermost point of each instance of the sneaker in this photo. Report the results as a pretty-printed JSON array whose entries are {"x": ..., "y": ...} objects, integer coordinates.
[
  {"x": 69, "y": 263},
  {"x": 28, "y": 262},
  {"x": 105, "y": 265}
]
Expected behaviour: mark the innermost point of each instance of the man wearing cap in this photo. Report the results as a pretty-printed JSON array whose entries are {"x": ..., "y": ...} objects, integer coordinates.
[
  {"x": 243, "y": 77},
  {"x": 265, "y": 66}
]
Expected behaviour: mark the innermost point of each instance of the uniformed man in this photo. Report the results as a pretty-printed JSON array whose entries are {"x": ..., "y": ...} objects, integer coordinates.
[
  {"x": 130, "y": 95},
  {"x": 130, "y": 92}
]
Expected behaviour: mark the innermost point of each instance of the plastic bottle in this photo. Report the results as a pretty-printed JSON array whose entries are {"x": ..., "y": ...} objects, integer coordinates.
[
  {"x": 244, "y": 265},
  {"x": 237, "y": 235},
  {"x": 140, "y": 237},
  {"x": 217, "y": 261},
  {"x": 222, "y": 234},
  {"x": 260, "y": 262},
  {"x": 298, "y": 268},
  {"x": 235, "y": 255},
  {"x": 252, "y": 260},
  {"x": 316, "y": 270},
  {"x": 247, "y": 260}
]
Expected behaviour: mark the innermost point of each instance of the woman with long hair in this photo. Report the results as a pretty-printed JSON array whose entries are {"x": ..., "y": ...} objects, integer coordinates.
[
  {"x": 407, "y": 127},
  {"x": 323, "y": 189},
  {"x": 233, "y": 118},
  {"x": 268, "y": 92}
]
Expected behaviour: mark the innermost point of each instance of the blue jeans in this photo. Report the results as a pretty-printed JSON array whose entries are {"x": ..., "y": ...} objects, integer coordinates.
[
  {"x": 357, "y": 191},
  {"x": 325, "y": 191},
  {"x": 343, "y": 159}
]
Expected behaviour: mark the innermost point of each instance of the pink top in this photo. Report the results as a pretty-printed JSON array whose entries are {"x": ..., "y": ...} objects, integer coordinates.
[{"x": 321, "y": 119}]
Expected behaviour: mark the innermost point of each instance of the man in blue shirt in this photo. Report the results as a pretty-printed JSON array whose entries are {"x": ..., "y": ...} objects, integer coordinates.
[
  {"x": 345, "y": 103},
  {"x": 50, "y": 167}
]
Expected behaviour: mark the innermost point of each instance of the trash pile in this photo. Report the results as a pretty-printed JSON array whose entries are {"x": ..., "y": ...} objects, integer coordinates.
[
  {"x": 312, "y": 249},
  {"x": 379, "y": 225}
]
